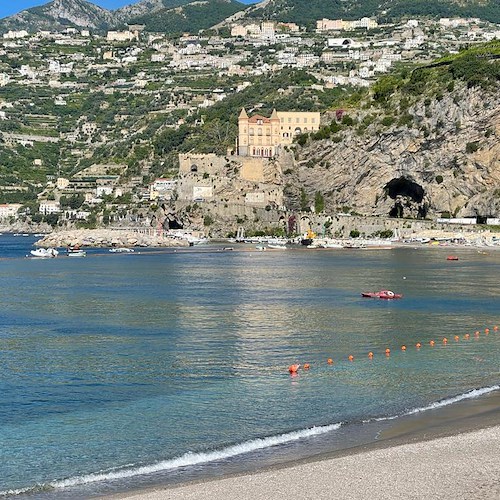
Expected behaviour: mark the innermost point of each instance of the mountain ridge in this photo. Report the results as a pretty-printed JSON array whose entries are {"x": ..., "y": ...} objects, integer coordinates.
[{"x": 173, "y": 16}]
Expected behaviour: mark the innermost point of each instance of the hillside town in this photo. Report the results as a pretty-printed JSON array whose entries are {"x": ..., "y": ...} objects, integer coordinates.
[{"x": 169, "y": 81}]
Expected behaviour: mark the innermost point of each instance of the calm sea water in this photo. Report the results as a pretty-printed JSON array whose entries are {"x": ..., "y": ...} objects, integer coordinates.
[{"x": 126, "y": 370}]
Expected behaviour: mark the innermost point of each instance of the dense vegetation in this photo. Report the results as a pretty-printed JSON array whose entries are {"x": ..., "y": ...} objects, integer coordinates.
[
  {"x": 190, "y": 17},
  {"x": 388, "y": 102},
  {"x": 308, "y": 12},
  {"x": 477, "y": 67}
]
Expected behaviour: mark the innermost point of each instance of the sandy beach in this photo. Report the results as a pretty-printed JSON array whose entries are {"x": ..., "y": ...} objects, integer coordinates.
[{"x": 463, "y": 466}]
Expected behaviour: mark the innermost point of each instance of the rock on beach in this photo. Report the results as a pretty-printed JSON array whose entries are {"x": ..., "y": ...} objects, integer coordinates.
[{"x": 107, "y": 238}]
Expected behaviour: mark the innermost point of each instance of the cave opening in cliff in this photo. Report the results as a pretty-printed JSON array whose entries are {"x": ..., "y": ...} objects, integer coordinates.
[
  {"x": 171, "y": 222},
  {"x": 404, "y": 189}
]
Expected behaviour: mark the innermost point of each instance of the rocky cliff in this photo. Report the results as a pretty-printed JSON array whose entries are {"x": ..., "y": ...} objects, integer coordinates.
[
  {"x": 58, "y": 15},
  {"x": 446, "y": 159}
]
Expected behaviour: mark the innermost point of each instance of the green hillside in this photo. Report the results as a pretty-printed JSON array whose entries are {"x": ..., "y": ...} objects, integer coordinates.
[
  {"x": 190, "y": 17},
  {"x": 386, "y": 10}
]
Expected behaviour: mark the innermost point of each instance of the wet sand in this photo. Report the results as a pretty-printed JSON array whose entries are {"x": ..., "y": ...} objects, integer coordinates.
[{"x": 452, "y": 453}]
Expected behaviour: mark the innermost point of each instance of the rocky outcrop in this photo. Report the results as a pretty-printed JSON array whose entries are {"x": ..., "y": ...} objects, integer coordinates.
[
  {"x": 107, "y": 238},
  {"x": 447, "y": 160},
  {"x": 58, "y": 15}
]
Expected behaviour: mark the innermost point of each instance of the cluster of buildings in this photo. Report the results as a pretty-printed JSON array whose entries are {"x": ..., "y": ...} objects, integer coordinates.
[{"x": 165, "y": 71}]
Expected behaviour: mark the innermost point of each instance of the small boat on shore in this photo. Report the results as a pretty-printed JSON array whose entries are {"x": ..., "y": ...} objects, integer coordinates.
[
  {"x": 382, "y": 294},
  {"x": 452, "y": 257}
]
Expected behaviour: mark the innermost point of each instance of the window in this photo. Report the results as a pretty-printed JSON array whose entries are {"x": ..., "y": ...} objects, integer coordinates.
[
  {"x": 251, "y": 131},
  {"x": 259, "y": 131},
  {"x": 194, "y": 168},
  {"x": 268, "y": 131}
]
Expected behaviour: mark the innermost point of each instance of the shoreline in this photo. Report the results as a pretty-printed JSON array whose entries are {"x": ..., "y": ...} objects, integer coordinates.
[
  {"x": 449, "y": 453},
  {"x": 460, "y": 466}
]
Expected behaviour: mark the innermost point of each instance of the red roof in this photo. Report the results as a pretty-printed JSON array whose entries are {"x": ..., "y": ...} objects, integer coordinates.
[{"x": 255, "y": 118}]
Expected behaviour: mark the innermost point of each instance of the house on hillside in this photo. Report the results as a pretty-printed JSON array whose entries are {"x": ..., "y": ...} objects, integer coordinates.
[{"x": 263, "y": 137}]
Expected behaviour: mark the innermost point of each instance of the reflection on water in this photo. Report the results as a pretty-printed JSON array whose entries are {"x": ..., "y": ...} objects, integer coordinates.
[{"x": 137, "y": 359}]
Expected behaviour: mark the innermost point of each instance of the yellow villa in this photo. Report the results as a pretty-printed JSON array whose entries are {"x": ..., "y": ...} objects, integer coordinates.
[{"x": 263, "y": 137}]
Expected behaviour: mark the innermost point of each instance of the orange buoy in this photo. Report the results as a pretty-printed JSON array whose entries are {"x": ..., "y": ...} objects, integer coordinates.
[
  {"x": 476, "y": 333},
  {"x": 495, "y": 328},
  {"x": 329, "y": 361},
  {"x": 370, "y": 355},
  {"x": 445, "y": 340},
  {"x": 418, "y": 345},
  {"x": 486, "y": 330},
  {"x": 293, "y": 368},
  {"x": 306, "y": 366},
  {"x": 388, "y": 351},
  {"x": 467, "y": 336},
  {"x": 351, "y": 357},
  {"x": 403, "y": 348},
  {"x": 432, "y": 343},
  {"x": 457, "y": 338}
]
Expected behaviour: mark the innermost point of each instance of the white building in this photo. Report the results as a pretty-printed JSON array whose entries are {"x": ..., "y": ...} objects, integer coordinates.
[
  {"x": 103, "y": 190},
  {"x": 238, "y": 30},
  {"x": 58, "y": 67},
  {"x": 340, "y": 42},
  {"x": 49, "y": 207},
  {"x": 121, "y": 36},
  {"x": 9, "y": 210},
  {"x": 4, "y": 79},
  {"x": 162, "y": 188},
  {"x": 62, "y": 183},
  {"x": 14, "y": 35}
]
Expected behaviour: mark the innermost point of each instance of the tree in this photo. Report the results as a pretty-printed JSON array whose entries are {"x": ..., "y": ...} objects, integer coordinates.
[
  {"x": 319, "y": 202},
  {"x": 304, "y": 201}
]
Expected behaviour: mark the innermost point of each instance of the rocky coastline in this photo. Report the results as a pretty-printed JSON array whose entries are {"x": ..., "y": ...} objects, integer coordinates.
[{"x": 107, "y": 238}]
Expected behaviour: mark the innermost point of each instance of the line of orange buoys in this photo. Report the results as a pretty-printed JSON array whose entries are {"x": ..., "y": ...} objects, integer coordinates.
[{"x": 293, "y": 369}]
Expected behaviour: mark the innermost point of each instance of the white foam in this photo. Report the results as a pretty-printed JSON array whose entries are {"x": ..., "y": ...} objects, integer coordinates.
[
  {"x": 239, "y": 449},
  {"x": 197, "y": 458},
  {"x": 474, "y": 393}
]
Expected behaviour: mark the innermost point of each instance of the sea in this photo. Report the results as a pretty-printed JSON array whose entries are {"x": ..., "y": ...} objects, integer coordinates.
[{"x": 125, "y": 371}]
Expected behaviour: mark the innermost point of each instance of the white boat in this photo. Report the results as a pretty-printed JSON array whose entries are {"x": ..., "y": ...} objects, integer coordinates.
[
  {"x": 44, "y": 253},
  {"x": 260, "y": 248},
  {"x": 121, "y": 250},
  {"x": 276, "y": 247},
  {"x": 193, "y": 240},
  {"x": 75, "y": 252}
]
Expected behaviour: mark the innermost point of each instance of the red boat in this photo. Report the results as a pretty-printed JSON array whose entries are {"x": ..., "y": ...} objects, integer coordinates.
[
  {"x": 452, "y": 257},
  {"x": 383, "y": 294}
]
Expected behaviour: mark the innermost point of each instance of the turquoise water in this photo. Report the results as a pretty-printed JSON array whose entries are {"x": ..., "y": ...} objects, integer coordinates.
[{"x": 126, "y": 370}]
